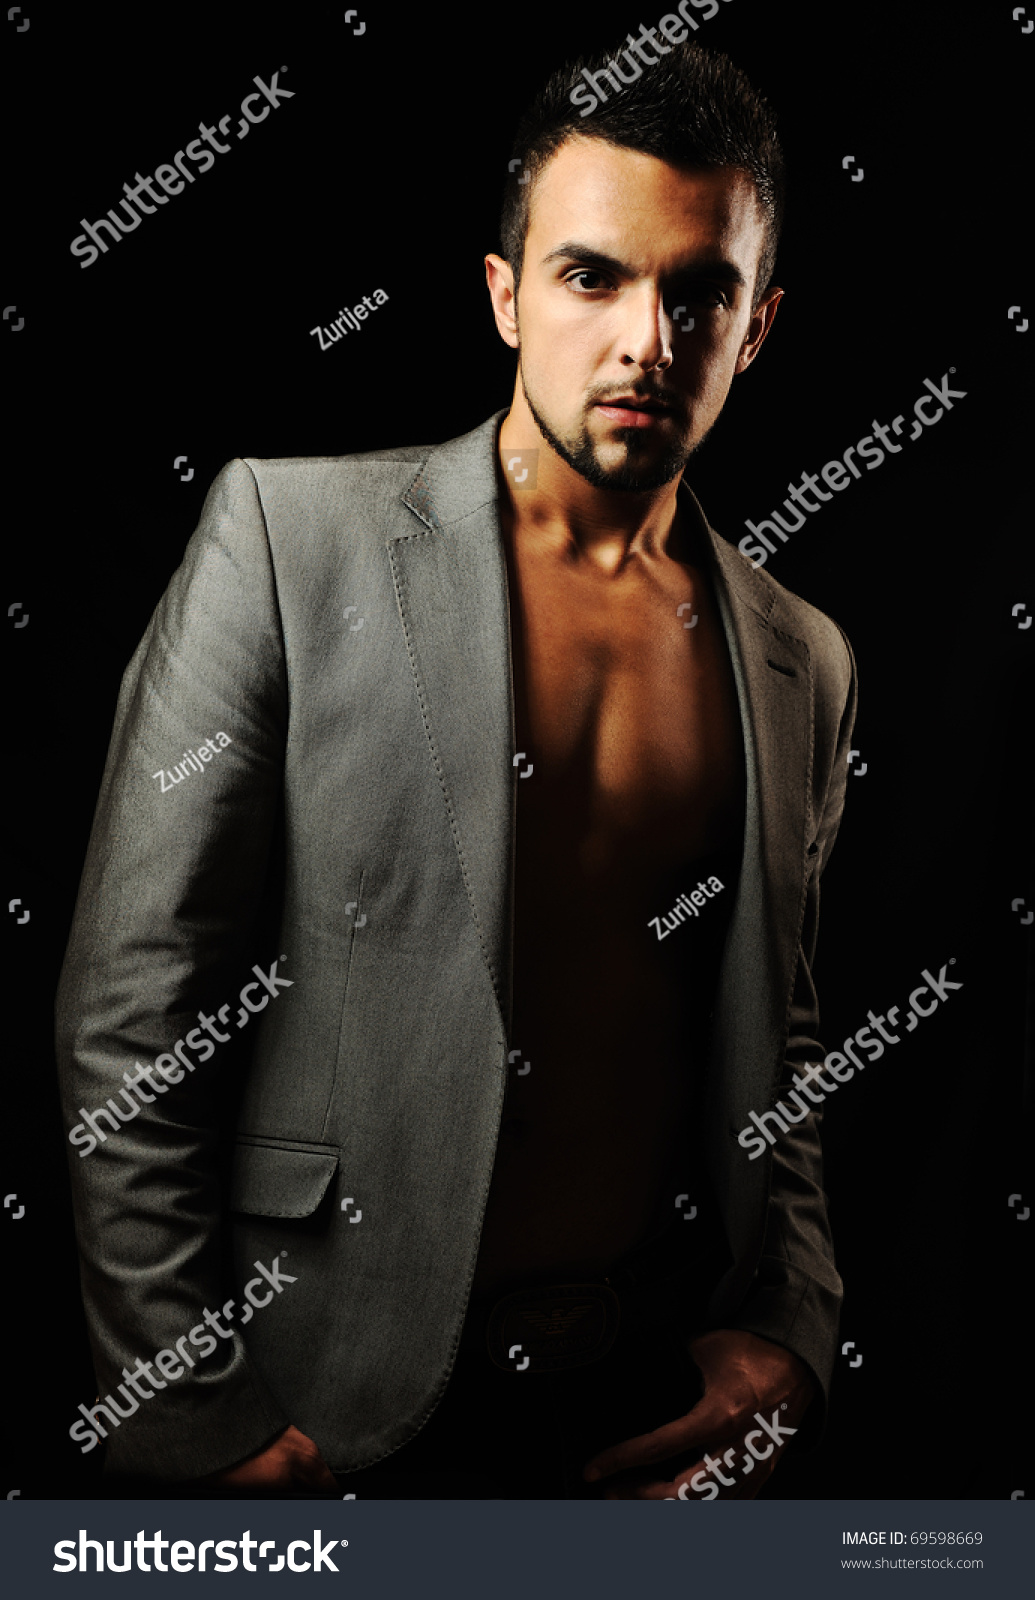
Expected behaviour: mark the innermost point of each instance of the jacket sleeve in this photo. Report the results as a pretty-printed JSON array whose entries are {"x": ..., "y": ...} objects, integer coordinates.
[
  {"x": 172, "y": 883},
  {"x": 795, "y": 1296}
]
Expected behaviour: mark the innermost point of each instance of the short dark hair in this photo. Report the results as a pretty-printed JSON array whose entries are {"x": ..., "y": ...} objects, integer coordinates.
[{"x": 692, "y": 108}]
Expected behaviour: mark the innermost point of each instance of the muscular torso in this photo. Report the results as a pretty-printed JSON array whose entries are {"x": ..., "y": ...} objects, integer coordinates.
[{"x": 631, "y": 723}]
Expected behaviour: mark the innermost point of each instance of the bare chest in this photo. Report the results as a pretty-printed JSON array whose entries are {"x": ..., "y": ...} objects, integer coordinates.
[
  {"x": 626, "y": 709},
  {"x": 629, "y": 731}
]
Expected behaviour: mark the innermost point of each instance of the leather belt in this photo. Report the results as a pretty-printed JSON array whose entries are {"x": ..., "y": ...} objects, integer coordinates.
[{"x": 552, "y": 1327}]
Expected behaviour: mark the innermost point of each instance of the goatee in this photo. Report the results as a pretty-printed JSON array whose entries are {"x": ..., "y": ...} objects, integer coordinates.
[{"x": 631, "y": 475}]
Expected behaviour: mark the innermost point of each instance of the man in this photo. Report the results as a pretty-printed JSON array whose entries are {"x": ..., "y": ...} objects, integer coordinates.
[{"x": 528, "y": 784}]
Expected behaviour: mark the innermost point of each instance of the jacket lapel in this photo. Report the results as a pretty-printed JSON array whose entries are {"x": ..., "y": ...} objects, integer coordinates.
[
  {"x": 450, "y": 578},
  {"x": 773, "y": 674}
]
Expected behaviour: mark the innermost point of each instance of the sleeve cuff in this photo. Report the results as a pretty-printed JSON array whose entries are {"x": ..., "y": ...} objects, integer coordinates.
[{"x": 802, "y": 1315}]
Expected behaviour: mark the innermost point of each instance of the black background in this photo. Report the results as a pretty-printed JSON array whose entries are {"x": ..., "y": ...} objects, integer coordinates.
[{"x": 191, "y": 337}]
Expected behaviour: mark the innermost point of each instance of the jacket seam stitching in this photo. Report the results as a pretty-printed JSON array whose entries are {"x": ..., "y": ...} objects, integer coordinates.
[
  {"x": 453, "y": 825},
  {"x": 344, "y": 1002}
]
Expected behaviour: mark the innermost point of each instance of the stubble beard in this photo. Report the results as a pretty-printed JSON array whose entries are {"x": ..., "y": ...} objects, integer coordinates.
[{"x": 631, "y": 475}]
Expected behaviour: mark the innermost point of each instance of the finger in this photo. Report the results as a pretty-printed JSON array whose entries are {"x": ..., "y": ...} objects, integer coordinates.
[
  {"x": 707, "y": 1426},
  {"x": 642, "y": 1451},
  {"x": 748, "y": 1477}
]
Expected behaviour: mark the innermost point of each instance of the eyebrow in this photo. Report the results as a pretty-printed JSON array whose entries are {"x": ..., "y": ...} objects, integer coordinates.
[{"x": 712, "y": 267}]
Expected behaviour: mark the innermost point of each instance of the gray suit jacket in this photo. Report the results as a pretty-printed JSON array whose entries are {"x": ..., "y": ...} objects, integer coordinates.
[{"x": 367, "y": 795}]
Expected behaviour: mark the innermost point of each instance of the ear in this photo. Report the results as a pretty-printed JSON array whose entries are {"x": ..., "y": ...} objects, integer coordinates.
[
  {"x": 758, "y": 328},
  {"x": 500, "y": 279}
]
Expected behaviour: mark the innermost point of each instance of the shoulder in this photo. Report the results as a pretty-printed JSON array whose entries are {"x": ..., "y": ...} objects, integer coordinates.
[
  {"x": 320, "y": 479},
  {"x": 456, "y": 472},
  {"x": 832, "y": 661},
  {"x": 826, "y": 639},
  {"x": 789, "y": 615}
]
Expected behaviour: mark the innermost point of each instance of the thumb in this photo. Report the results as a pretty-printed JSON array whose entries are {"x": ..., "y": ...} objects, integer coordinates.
[{"x": 709, "y": 1424}]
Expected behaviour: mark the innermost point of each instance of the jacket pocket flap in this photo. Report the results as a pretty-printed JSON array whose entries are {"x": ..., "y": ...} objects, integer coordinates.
[{"x": 273, "y": 1181}]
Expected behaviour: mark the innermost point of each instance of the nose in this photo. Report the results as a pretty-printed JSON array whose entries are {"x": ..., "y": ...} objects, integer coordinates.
[{"x": 647, "y": 330}]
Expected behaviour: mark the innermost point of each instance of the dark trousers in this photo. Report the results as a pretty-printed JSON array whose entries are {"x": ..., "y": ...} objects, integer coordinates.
[{"x": 527, "y": 1435}]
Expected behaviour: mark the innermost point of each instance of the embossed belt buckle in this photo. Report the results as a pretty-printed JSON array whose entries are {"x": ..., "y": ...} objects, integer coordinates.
[{"x": 553, "y": 1328}]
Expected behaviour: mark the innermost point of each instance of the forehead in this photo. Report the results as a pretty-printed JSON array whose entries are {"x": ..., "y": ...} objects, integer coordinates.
[{"x": 640, "y": 207}]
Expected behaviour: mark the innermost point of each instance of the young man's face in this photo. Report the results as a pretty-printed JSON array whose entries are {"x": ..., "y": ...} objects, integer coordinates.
[{"x": 618, "y": 243}]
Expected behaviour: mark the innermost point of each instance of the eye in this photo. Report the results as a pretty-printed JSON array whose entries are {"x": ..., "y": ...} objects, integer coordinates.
[
  {"x": 705, "y": 294},
  {"x": 587, "y": 272}
]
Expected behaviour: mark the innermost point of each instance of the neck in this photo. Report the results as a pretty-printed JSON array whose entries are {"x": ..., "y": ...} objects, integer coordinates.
[{"x": 565, "y": 516}]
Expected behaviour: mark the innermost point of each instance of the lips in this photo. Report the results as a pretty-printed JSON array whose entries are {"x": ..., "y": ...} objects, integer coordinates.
[
  {"x": 633, "y": 412},
  {"x": 632, "y": 403}
]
